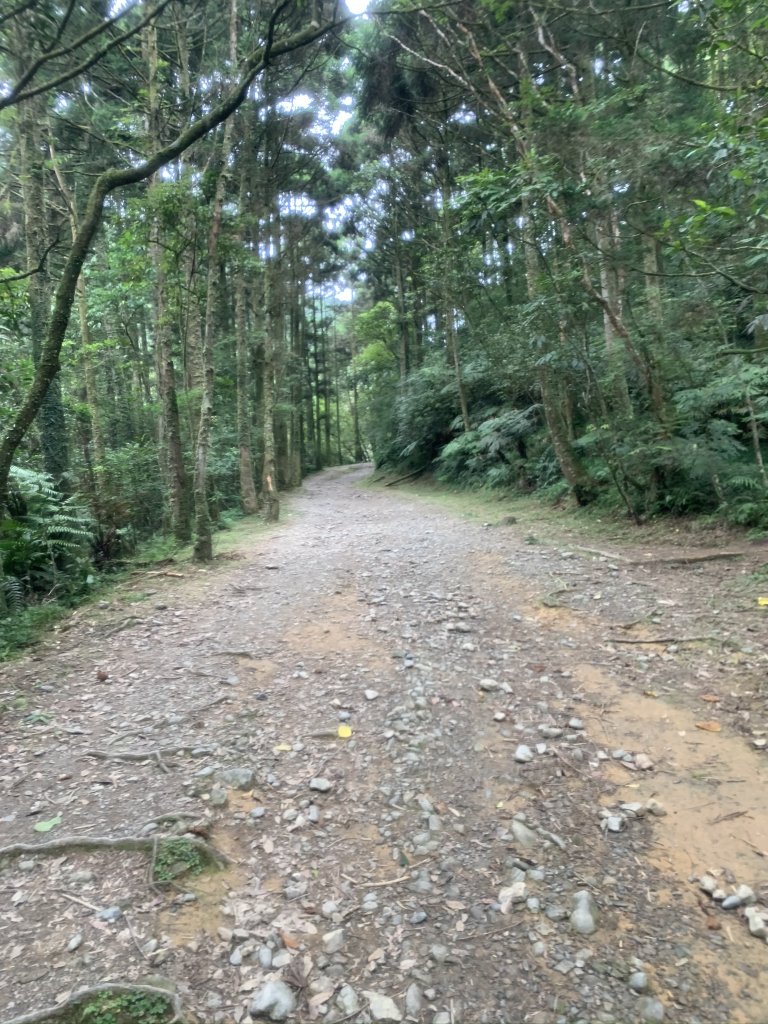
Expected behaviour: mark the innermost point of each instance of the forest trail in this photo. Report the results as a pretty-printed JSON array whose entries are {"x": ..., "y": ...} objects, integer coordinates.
[{"x": 513, "y": 709}]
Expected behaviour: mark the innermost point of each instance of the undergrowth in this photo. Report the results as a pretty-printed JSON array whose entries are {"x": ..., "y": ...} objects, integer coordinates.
[
  {"x": 122, "y": 1008},
  {"x": 176, "y": 857}
]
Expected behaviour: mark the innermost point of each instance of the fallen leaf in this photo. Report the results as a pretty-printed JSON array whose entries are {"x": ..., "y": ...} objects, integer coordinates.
[
  {"x": 46, "y": 826},
  {"x": 650, "y": 693},
  {"x": 289, "y": 941},
  {"x": 709, "y": 726},
  {"x": 710, "y": 698}
]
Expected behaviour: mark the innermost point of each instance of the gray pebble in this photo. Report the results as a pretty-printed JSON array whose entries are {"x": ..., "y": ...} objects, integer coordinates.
[
  {"x": 110, "y": 914},
  {"x": 638, "y": 981},
  {"x": 584, "y": 916},
  {"x": 320, "y": 784},
  {"x": 650, "y": 1010},
  {"x": 237, "y": 778}
]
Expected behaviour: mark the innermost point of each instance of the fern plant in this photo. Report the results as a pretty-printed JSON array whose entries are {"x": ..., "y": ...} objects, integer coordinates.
[{"x": 45, "y": 543}]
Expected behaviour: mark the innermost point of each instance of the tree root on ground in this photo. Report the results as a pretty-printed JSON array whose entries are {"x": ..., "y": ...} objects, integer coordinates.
[
  {"x": 149, "y": 844},
  {"x": 85, "y": 994}
]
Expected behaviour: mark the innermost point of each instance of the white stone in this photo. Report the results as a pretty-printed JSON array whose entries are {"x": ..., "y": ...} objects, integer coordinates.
[
  {"x": 382, "y": 1007},
  {"x": 276, "y": 998}
]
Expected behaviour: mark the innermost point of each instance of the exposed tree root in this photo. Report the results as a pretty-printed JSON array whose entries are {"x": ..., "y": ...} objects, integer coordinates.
[
  {"x": 661, "y": 639},
  {"x": 156, "y": 755},
  {"x": 145, "y": 845},
  {"x": 85, "y": 994}
]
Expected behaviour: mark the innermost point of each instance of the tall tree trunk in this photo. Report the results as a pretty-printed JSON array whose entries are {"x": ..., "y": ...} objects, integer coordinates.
[
  {"x": 203, "y": 550},
  {"x": 172, "y": 455},
  {"x": 449, "y": 310},
  {"x": 248, "y": 497},
  {"x": 270, "y": 496},
  {"x": 50, "y": 419}
]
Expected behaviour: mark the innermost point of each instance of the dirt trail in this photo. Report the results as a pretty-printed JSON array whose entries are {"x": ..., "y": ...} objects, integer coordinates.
[{"x": 425, "y": 868}]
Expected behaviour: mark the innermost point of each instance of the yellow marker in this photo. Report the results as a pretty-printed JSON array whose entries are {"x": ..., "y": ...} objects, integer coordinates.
[
  {"x": 344, "y": 732},
  {"x": 763, "y": 602}
]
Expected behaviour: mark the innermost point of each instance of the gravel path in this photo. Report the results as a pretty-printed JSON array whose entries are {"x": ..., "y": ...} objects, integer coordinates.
[{"x": 459, "y": 778}]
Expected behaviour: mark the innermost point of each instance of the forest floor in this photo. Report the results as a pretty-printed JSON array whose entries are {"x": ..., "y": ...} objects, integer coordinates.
[{"x": 557, "y": 752}]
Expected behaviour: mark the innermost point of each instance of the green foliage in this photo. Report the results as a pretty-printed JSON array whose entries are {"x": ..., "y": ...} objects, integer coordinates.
[
  {"x": 176, "y": 857},
  {"x": 45, "y": 543},
  {"x": 123, "y": 1008}
]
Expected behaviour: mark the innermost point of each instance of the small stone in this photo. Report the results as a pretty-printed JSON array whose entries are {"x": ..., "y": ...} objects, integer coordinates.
[
  {"x": 218, "y": 797},
  {"x": 439, "y": 953},
  {"x": 489, "y": 685},
  {"x": 523, "y": 754},
  {"x": 382, "y": 1007},
  {"x": 575, "y": 723},
  {"x": 442, "y": 1017},
  {"x": 418, "y": 917},
  {"x": 745, "y": 894},
  {"x": 614, "y": 822},
  {"x": 638, "y": 981},
  {"x": 329, "y": 908},
  {"x": 236, "y": 957},
  {"x": 320, "y": 784},
  {"x": 110, "y": 914},
  {"x": 265, "y": 957},
  {"x": 584, "y": 916},
  {"x": 634, "y": 810},
  {"x": 655, "y": 808},
  {"x": 525, "y": 836},
  {"x": 258, "y": 812},
  {"x": 413, "y": 1000},
  {"x": 565, "y": 966},
  {"x": 552, "y": 732},
  {"x": 645, "y": 764},
  {"x": 27, "y": 865},
  {"x": 731, "y": 902},
  {"x": 499, "y": 716},
  {"x": 347, "y": 1000},
  {"x": 333, "y": 941},
  {"x": 275, "y": 998},
  {"x": 237, "y": 778},
  {"x": 371, "y": 694},
  {"x": 75, "y": 942},
  {"x": 708, "y": 884},
  {"x": 757, "y": 920},
  {"x": 650, "y": 1010},
  {"x": 511, "y": 894}
]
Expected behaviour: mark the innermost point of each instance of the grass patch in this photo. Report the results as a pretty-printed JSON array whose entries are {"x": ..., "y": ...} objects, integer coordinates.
[{"x": 561, "y": 522}]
